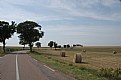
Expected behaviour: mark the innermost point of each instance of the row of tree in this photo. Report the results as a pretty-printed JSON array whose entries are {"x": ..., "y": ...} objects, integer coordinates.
[
  {"x": 55, "y": 45},
  {"x": 29, "y": 32}
]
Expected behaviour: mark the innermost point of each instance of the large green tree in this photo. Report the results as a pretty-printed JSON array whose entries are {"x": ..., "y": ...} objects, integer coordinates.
[
  {"x": 6, "y": 31},
  {"x": 30, "y": 32}
]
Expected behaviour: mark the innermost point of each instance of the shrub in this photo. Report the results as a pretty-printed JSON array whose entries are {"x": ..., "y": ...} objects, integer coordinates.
[{"x": 110, "y": 73}]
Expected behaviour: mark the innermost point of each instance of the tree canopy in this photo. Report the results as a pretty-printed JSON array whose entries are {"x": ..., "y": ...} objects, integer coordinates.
[
  {"x": 30, "y": 32},
  {"x": 38, "y": 44},
  {"x": 50, "y": 44},
  {"x": 6, "y": 31},
  {"x": 55, "y": 45},
  {"x": 22, "y": 42}
]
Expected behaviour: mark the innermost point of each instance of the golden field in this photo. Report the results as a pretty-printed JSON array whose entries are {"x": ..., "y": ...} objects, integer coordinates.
[{"x": 95, "y": 57}]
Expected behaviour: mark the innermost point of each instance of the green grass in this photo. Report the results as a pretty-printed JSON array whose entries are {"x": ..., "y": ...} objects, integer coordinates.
[
  {"x": 78, "y": 72},
  {"x": 8, "y": 50},
  {"x": 1, "y": 52}
]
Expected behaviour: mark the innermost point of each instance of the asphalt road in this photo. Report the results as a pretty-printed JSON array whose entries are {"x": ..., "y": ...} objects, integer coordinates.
[{"x": 20, "y": 66}]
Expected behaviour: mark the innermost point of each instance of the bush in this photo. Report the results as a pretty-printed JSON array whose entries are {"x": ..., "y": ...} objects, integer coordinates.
[{"x": 110, "y": 73}]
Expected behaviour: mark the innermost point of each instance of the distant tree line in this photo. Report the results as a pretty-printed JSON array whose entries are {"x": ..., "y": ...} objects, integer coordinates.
[
  {"x": 53, "y": 44},
  {"x": 66, "y": 46},
  {"x": 77, "y": 45},
  {"x": 29, "y": 32},
  {"x": 74, "y": 45}
]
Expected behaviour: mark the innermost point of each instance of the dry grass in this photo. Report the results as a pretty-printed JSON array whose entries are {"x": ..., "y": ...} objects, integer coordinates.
[{"x": 96, "y": 57}]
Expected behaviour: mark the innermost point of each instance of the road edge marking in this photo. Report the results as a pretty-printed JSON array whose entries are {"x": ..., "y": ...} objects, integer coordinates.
[
  {"x": 49, "y": 68},
  {"x": 17, "y": 70}
]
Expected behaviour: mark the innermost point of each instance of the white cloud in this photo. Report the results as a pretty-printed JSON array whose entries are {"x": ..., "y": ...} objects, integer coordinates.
[
  {"x": 62, "y": 9},
  {"x": 86, "y": 8}
]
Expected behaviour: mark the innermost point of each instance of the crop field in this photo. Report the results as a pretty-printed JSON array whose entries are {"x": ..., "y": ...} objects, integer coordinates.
[{"x": 95, "y": 57}]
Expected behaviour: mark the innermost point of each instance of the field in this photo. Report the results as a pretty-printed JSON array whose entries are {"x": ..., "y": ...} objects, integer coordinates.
[{"x": 95, "y": 57}]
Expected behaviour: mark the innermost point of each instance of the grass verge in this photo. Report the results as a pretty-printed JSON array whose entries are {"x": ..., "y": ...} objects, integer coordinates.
[
  {"x": 8, "y": 50},
  {"x": 78, "y": 73},
  {"x": 1, "y": 53}
]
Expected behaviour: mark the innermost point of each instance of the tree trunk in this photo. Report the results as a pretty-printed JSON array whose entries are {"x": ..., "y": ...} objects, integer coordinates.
[
  {"x": 24, "y": 47},
  {"x": 51, "y": 47},
  {"x": 30, "y": 45},
  {"x": 4, "y": 46},
  {"x": 30, "y": 48}
]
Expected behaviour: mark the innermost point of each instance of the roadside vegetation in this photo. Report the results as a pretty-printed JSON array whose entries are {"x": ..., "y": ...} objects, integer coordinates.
[
  {"x": 11, "y": 49},
  {"x": 98, "y": 63},
  {"x": 1, "y": 52},
  {"x": 29, "y": 32},
  {"x": 79, "y": 73}
]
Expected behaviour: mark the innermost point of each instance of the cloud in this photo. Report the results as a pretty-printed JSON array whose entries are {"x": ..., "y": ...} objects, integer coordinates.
[
  {"x": 41, "y": 10},
  {"x": 87, "y": 8}
]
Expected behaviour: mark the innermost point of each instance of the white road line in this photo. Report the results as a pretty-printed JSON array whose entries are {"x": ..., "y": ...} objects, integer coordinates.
[
  {"x": 17, "y": 70},
  {"x": 49, "y": 68}
]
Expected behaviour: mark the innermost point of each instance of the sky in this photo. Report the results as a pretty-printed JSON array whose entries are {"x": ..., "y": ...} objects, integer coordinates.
[{"x": 86, "y": 22}]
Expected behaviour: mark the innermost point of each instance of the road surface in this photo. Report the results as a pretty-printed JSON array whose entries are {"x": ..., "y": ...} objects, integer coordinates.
[{"x": 20, "y": 66}]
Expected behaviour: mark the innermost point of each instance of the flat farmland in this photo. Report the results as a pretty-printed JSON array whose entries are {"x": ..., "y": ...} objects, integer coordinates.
[{"x": 95, "y": 57}]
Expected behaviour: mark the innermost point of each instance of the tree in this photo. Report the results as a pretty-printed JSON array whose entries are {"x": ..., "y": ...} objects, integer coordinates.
[
  {"x": 55, "y": 45},
  {"x": 6, "y": 31},
  {"x": 22, "y": 42},
  {"x": 68, "y": 46},
  {"x": 77, "y": 45},
  {"x": 38, "y": 44},
  {"x": 65, "y": 46},
  {"x": 50, "y": 44},
  {"x": 30, "y": 32},
  {"x": 59, "y": 46}
]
